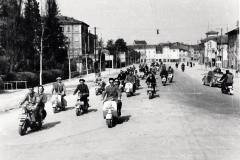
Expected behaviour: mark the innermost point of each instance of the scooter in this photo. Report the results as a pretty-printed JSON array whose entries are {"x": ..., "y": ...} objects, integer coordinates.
[
  {"x": 183, "y": 68},
  {"x": 129, "y": 89},
  {"x": 227, "y": 89},
  {"x": 81, "y": 107},
  {"x": 110, "y": 113},
  {"x": 28, "y": 120},
  {"x": 98, "y": 89},
  {"x": 150, "y": 91},
  {"x": 56, "y": 103},
  {"x": 170, "y": 77},
  {"x": 141, "y": 75},
  {"x": 164, "y": 80}
]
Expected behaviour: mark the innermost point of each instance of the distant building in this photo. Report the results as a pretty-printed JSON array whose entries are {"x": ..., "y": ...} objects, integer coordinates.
[
  {"x": 77, "y": 33},
  {"x": 233, "y": 49},
  {"x": 139, "y": 42},
  {"x": 215, "y": 49}
]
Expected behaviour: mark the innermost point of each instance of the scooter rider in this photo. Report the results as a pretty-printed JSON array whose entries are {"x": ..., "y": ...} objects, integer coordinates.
[
  {"x": 31, "y": 100},
  {"x": 83, "y": 91},
  {"x": 59, "y": 88},
  {"x": 131, "y": 79},
  {"x": 121, "y": 76},
  {"x": 163, "y": 72},
  {"x": 100, "y": 82},
  {"x": 152, "y": 80},
  {"x": 183, "y": 66},
  {"x": 170, "y": 71},
  {"x": 41, "y": 100},
  {"x": 112, "y": 93},
  {"x": 227, "y": 79}
]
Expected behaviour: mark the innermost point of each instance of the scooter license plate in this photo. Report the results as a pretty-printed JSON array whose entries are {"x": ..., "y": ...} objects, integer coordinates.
[
  {"x": 81, "y": 103},
  {"x": 109, "y": 116},
  {"x": 164, "y": 79}
]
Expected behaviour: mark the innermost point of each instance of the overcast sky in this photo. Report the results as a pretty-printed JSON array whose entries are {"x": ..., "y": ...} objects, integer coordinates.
[{"x": 177, "y": 20}]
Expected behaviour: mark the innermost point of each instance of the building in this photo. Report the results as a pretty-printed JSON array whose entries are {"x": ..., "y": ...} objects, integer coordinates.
[
  {"x": 215, "y": 49},
  {"x": 163, "y": 52},
  {"x": 77, "y": 33},
  {"x": 173, "y": 52},
  {"x": 233, "y": 49}
]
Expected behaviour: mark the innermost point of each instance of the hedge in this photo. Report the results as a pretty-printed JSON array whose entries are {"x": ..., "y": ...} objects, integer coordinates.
[{"x": 32, "y": 79}]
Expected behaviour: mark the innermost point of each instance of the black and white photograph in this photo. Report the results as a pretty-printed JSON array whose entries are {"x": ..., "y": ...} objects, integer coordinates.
[{"x": 119, "y": 80}]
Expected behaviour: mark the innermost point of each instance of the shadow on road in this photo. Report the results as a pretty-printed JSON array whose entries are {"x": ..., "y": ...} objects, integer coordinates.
[
  {"x": 69, "y": 108},
  {"x": 50, "y": 125},
  {"x": 136, "y": 94},
  {"x": 92, "y": 110},
  {"x": 123, "y": 119}
]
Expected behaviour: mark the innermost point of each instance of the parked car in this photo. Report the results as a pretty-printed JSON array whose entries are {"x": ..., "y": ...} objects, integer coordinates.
[{"x": 212, "y": 78}]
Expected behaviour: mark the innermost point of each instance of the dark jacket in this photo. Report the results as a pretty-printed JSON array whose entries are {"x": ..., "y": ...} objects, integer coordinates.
[
  {"x": 151, "y": 80},
  {"x": 164, "y": 73},
  {"x": 81, "y": 88},
  {"x": 227, "y": 78}
]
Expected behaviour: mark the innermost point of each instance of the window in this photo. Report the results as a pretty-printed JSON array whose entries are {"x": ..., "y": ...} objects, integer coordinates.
[
  {"x": 76, "y": 38},
  {"x": 68, "y": 29},
  {"x": 75, "y": 28}
]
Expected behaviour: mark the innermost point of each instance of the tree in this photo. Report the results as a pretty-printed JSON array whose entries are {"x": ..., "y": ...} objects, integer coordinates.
[
  {"x": 55, "y": 45},
  {"x": 120, "y": 46},
  {"x": 111, "y": 46},
  {"x": 32, "y": 32},
  {"x": 11, "y": 35}
]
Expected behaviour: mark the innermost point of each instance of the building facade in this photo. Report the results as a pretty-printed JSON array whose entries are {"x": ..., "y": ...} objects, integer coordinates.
[
  {"x": 233, "y": 49},
  {"x": 78, "y": 38}
]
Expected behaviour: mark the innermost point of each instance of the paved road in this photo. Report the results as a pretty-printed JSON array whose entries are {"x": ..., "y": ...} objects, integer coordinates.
[{"x": 185, "y": 121}]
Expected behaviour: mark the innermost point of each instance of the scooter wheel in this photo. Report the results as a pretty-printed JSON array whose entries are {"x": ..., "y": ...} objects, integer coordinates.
[
  {"x": 78, "y": 112},
  {"x": 109, "y": 123},
  {"x": 54, "y": 110},
  {"x": 22, "y": 129}
]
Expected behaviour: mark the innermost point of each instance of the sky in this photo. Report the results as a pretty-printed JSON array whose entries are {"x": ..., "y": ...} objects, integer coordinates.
[{"x": 177, "y": 20}]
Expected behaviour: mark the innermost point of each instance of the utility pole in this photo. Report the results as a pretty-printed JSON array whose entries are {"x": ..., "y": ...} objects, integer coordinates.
[
  {"x": 95, "y": 48},
  {"x": 86, "y": 59},
  {"x": 41, "y": 51},
  {"x": 221, "y": 47}
]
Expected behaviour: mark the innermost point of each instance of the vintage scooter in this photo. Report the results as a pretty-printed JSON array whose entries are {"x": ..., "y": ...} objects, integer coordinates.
[
  {"x": 56, "y": 103},
  {"x": 129, "y": 89},
  {"x": 98, "y": 90},
  {"x": 28, "y": 119},
  {"x": 150, "y": 91},
  {"x": 170, "y": 77},
  {"x": 164, "y": 80},
  {"x": 227, "y": 89},
  {"x": 110, "y": 113},
  {"x": 81, "y": 107}
]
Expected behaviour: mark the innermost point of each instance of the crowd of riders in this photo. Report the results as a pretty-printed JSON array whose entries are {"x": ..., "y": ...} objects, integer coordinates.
[{"x": 111, "y": 91}]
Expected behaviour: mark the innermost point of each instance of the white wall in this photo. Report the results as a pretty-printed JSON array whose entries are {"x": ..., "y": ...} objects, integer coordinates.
[{"x": 210, "y": 49}]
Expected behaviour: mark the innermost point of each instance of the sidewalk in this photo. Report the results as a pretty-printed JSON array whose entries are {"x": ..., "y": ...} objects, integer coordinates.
[
  {"x": 11, "y": 99},
  {"x": 197, "y": 72}
]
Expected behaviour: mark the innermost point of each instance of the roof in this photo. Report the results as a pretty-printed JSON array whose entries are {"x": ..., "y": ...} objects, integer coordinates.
[
  {"x": 64, "y": 20},
  {"x": 219, "y": 39},
  {"x": 211, "y": 32},
  {"x": 222, "y": 39},
  {"x": 140, "y": 42},
  {"x": 141, "y": 46},
  {"x": 234, "y": 31}
]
